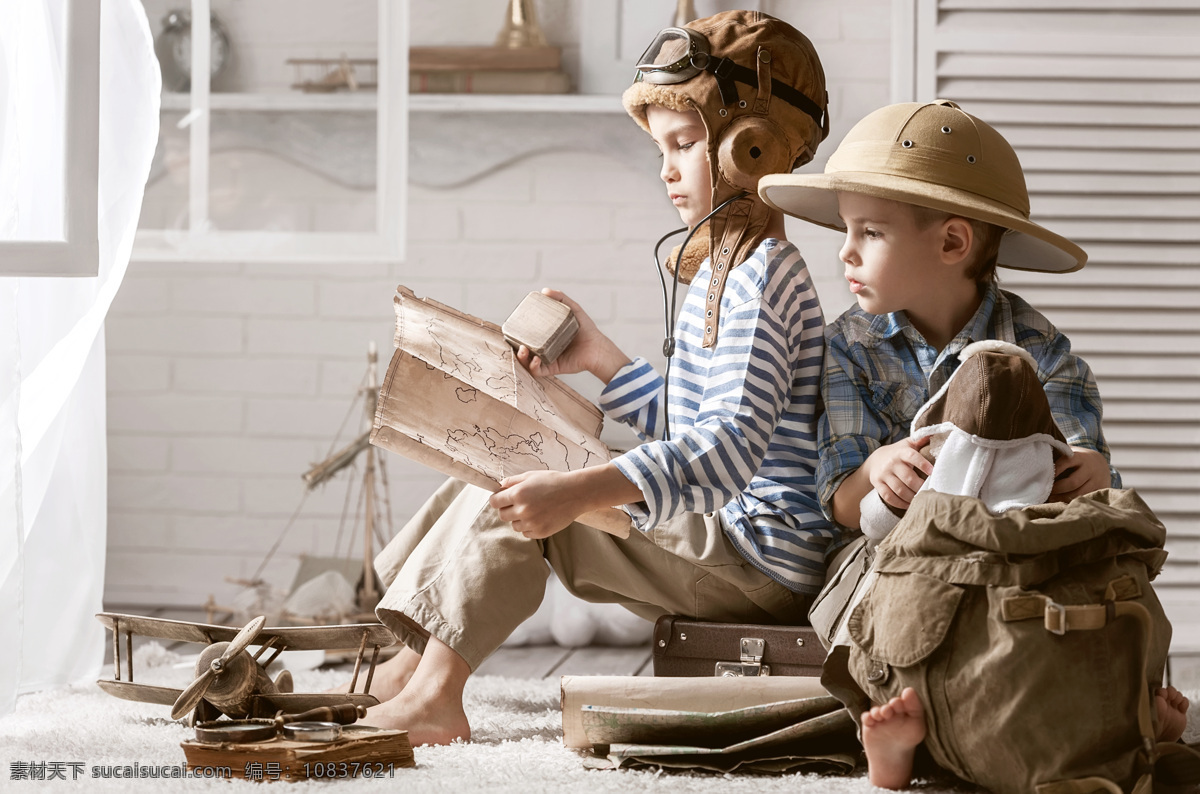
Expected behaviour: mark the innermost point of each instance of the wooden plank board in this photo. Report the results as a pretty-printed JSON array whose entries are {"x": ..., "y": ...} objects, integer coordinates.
[
  {"x": 1078, "y": 91},
  {"x": 1091, "y": 342},
  {"x": 1183, "y": 480},
  {"x": 524, "y": 661},
  {"x": 1120, "y": 207},
  {"x": 601, "y": 660},
  {"x": 1113, "y": 161},
  {"x": 1118, "y": 389},
  {"x": 1153, "y": 435},
  {"x": 1070, "y": 320},
  {"x": 1034, "y": 109},
  {"x": 1136, "y": 185},
  {"x": 1098, "y": 67},
  {"x": 1130, "y": 297},
  {"x": 1150, "y": 410},
  {"x": 1067, "y": 5},
  {"x": 1148, "y": 460},
  {"x": 990, "y": 37},
  {"x": 1100, "y": 273}
]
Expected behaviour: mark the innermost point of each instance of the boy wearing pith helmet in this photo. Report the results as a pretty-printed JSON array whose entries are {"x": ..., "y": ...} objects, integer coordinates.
[
  {"x": 931, "y": 199},
  {"x": 722, "y": 487}
]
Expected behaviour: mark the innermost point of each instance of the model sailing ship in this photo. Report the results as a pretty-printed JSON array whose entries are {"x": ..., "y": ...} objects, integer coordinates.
[{"x": 342, "y": 588}]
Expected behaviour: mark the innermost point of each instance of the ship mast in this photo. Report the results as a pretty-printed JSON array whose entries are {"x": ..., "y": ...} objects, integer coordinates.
[{"x": 369, "y": 597}]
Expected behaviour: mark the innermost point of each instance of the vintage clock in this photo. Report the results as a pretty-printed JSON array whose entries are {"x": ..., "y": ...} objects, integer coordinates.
[{"x": 174, "y": 49}]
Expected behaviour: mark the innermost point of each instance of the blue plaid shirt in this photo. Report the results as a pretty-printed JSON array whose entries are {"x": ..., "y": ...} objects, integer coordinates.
[{"x": 879, "y": 370}]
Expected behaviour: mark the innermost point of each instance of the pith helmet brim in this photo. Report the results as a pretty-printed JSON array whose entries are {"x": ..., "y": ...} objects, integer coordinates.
[
  {"x": 933, "y": 155},
  {"x": 1027, "y": 246}
]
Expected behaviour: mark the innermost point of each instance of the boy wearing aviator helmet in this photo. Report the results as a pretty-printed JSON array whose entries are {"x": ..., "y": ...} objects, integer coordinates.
[{"x": 724, "y": 494}]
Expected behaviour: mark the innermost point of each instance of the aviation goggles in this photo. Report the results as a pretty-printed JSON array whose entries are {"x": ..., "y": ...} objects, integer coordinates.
[{"x": 675, "y": 55}]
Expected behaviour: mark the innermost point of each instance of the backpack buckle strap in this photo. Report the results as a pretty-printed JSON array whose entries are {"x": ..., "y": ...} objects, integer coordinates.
[
  {"x": 1022, "y": 607},
  {"x": 1057, "y": 618},
  {"x": 1125, "y": 588},
  {"x": 1060, "y": 619}
]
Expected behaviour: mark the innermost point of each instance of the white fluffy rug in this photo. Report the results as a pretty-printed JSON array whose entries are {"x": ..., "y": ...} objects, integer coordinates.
[{"x": 517, "y": 746}]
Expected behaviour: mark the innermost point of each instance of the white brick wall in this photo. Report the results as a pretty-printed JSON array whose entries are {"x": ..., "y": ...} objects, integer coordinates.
[{"x": 226, "y": 381}]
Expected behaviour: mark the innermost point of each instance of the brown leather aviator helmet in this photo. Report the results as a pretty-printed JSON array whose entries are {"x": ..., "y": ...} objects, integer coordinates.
[{"x": 759, "y": 87}]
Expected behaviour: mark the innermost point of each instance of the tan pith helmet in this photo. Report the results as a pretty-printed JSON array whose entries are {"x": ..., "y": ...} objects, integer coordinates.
[
  {"x": 759, "y": 88},
  {"x": 933, "y": 155}
]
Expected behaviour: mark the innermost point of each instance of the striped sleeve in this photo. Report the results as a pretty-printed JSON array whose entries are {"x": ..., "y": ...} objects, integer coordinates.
[
  {"x": 634, "y": 397},
  {"x": 736, "y": 401}
]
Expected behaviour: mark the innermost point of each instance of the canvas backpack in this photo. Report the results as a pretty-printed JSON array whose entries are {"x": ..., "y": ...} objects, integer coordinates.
[{"x": 1033, "y": 638}]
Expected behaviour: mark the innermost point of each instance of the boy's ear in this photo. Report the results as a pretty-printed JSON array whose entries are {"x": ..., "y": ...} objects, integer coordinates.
[{"x": 958, "y": 238}]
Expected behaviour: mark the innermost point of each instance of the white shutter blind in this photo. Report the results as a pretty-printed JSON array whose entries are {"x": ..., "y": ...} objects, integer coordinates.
[{"x": 1101, "y": 100}]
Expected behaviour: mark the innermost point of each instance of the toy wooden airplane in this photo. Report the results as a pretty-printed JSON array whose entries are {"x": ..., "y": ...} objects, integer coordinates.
[{"x": 228, "y": 679}]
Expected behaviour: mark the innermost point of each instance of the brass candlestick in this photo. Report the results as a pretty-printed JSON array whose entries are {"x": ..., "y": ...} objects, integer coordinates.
[
  {"x": 521, "y": 27},
  {"x": 685, "y": 12}
]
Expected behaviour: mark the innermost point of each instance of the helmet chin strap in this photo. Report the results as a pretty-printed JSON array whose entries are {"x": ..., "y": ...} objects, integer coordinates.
[{"x": 669, "y": 306}]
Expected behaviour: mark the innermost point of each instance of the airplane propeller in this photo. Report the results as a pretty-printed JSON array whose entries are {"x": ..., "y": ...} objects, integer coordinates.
[{"x": 190, "y": 697}]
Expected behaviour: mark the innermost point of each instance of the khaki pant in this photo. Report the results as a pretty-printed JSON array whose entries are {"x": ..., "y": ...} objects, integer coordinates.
[{"x": 458, "y": 572}]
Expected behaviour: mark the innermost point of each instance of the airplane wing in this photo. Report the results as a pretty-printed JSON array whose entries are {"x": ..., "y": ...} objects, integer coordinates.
[
  {"x": 348, "y": 636},
  {"x": 143, "y": 693},
  {"x": 295, "y": 638},
  {"x": 178, "y": 630},
  {"x": 296, "y": 702}
]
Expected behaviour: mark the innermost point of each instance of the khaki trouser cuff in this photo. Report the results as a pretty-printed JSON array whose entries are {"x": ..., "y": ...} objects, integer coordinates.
[{"x": 415, "y": 622}]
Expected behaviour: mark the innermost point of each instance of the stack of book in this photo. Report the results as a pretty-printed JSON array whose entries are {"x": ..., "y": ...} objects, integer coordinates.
[
  {"x": 486, "y": 70},
  {"x": 362, "y": 751}
]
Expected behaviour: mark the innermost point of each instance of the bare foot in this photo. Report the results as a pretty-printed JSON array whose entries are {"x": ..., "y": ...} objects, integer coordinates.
[
  {"x": 430, "y": 707},
  {"x": 427, "y": 722},
  {"x": 389, "y": 679},
  {"x": 890, "y": 735},
  {"x": 1172, "y": 709}
]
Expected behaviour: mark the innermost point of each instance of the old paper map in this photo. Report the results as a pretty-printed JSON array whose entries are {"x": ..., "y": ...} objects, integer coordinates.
[{"x": 456, "y": 399}]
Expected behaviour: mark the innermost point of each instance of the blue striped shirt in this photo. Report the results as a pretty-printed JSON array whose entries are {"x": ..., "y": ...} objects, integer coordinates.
[
  {"x": 742, "y": 418},
  {"x": 879, "y": 370}
]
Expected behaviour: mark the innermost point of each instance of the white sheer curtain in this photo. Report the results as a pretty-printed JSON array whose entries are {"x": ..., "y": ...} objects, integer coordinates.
[{"x": 53, "y": 461}]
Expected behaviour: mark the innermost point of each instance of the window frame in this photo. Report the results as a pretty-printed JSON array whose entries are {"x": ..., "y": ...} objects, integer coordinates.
[
  {"x": 198, "y": 243},
  {"x": 77, "y": 251}
]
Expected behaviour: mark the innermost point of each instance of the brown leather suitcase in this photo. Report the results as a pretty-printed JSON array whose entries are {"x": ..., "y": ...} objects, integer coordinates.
[{"x": 685, "y": 647}]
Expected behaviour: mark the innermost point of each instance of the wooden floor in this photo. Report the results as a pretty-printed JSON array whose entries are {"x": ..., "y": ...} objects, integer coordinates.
[
  {"x": 543, "y": 661},
  {"x": 531, "y": 661}
]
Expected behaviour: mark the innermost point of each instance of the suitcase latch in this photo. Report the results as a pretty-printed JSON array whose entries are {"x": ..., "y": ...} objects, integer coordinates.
[{"x": 751, "y": 661}]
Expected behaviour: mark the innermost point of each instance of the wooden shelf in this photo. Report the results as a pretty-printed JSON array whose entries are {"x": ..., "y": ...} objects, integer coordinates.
[
  {"x": 417, "y": 103},
  {"x": 296, "y": 101},
  {"x": 516, "y": 103}
]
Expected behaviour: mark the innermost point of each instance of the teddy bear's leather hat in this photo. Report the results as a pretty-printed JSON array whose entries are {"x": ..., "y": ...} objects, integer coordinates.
[
  {"x": 759, "y": 87},
  {"x": 995, "y": 395},
  {"x": 933, "y": 155}
]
